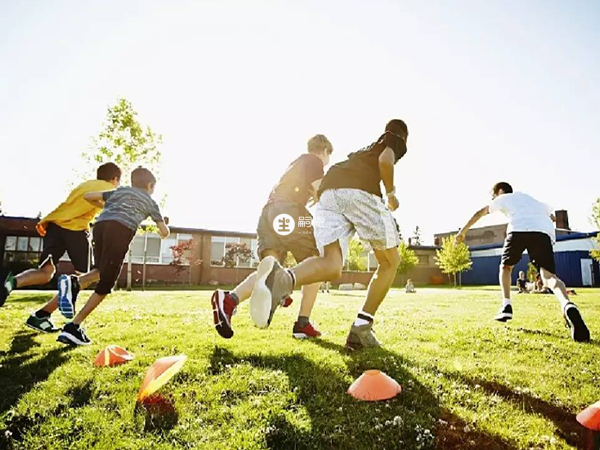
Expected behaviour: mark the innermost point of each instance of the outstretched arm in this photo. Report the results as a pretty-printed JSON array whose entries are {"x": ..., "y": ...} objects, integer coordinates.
[
  {"x": 163, "y": 229},
  {"x": 386, "y": 171},
  {"x": 94, "y": 198},
  {"x": 472, "y": 221}
]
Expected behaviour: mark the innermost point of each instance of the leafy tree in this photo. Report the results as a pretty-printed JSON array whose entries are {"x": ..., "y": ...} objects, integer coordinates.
[
  {"x": 183, "y": 252},
  {"x": 596, "y": 221},
  {"x": 356, "y": 259},
  {"x": 416, "y": 238},
  {"x": 408, "y": 259},
  {"x": 531, "y": 272},
  {"x": 124, "y": 141},
  {"x": 289, "y": 261},
  {"x": 453, "y": 258},
  {"x": 235, "y": 253}
]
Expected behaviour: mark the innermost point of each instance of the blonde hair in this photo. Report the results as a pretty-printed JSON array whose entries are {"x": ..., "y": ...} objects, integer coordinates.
[{"x": 318, "y": 143}]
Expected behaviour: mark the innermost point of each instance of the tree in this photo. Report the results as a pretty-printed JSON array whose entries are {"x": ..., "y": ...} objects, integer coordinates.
[
  {"x": 289, "y": 261},
  {"x": 183, "y": 255},
  {"x": 531, "y": 272},
  {"x": 408, "y": 259},
  {"x": 596, "y": 221},
  {"x": 124, "y": 141},
  {"x": 453, "y": 258},
  {"x": 416, "y": 238},
  {"x": 235, "y": 253},
  {"x": 356, "y": 259}
]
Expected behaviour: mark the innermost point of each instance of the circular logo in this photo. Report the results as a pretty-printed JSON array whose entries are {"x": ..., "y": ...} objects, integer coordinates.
[{"x": 284, "y": 224}]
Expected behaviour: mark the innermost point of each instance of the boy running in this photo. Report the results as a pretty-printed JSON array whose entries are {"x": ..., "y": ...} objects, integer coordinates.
[
  {"x": 124, "y": 210},
  {"x": 66, "y": 229},
  {"x": 350, "y": 200},
  {"x": 296, "y": 187},
  {"x": 530, "y": 228}
]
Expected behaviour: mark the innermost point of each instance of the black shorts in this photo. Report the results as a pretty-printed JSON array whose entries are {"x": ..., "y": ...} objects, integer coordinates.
[
  {"x": 300, "y": 242},
  {"x": 537, "y": 244},
  {"x": 59, "y": 240},
  {"x": 111, "y": 244}
]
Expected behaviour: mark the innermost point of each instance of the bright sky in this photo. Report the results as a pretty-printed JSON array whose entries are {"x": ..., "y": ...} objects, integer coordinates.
[{"x": 506, "y": 90}]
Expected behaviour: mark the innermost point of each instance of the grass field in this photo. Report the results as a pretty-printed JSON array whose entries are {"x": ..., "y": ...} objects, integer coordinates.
[{"x": 468, "y": 382}]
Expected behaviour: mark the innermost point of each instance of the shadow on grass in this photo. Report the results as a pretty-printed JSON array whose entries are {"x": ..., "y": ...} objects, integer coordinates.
[
  {"x": 40, "y": 298},
  {"x": 20, "y": 373},
  {"x": 567, "y": 426},
  {"x": 339, "y": 421}
]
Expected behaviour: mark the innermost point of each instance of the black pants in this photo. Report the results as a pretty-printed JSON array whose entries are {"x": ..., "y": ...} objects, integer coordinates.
[
  {"x": 537, "y": 244},
  {"x": 111, "y": 244},
  {"x": 59, "y": 240}
]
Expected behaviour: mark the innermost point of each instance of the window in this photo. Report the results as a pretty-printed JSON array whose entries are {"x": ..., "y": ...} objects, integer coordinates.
[
  {"x": 22, "y": 249},
  {"x": 423, "y": 260},
  {"x": 218, "y": 249},
  {"x": 157, "y": 250}
]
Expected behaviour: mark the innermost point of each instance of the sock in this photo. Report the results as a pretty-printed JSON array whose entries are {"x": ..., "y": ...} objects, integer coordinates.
[
  {"x": 234, "y": 297},
  {"x": 506, "y": 302},
  {"x": 40, "y": 314},
  {"x": 363, "y": 318},
  {"x": 293, "y": 278},
  {"x": 303, "y": 321}
]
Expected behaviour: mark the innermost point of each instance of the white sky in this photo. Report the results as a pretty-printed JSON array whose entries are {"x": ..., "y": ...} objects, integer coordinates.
[{"x": 506, "y": 90}]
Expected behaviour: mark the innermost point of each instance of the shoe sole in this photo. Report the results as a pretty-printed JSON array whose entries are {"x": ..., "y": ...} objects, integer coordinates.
[
  {"x": 56, "y": 330},
  {"x": 261, "y": 299},
  {"x": 69, "y": 339},
  {"x": 579, "y": 330},
  {"x": 303, "y": 336},
  {"x": 219, "y": 319},
  {"x": 65, "y": 297},
  {"x": 504, "y": 317}
]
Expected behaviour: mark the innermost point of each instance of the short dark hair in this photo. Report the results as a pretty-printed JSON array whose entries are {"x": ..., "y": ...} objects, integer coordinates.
[
  {"x": 141, "y": 178},
  {"x": 108, "y": 171},
  {"x": 507, "y": 188},
  {"x": 398, "y": 127}
]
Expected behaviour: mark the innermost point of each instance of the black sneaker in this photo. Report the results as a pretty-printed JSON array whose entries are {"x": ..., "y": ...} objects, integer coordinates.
[
  {"x": 579, "y": 331},
  {"x": 8, "y": 284},
  {"x": 505, "y": 314},
  {"x": 68, "y": 288},
  {"x": 73, "y": 335},
  {"x": 43, "y": 324}
]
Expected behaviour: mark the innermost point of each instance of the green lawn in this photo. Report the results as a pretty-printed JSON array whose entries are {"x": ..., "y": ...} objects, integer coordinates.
[{"x": 468, "y": 382}]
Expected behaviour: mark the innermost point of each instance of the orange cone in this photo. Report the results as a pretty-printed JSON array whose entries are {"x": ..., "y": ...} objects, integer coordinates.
[
  {"x": 374, "y": 385},
  {"x": 112, "y": 355},
  {"x": 159, "y": 374},
  {"x": 590, "y": 417}
]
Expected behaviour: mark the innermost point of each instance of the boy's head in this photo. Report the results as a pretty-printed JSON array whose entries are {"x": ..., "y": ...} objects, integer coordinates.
[
  {"x": 109, "y": 172},
  {"x": 501, "y": 188},
  {"x": 142, "y": 178},
  {"x": 320, "y": 146},
  {"x": 397, "y": 127},
  {"x": 521, "y": 274}
]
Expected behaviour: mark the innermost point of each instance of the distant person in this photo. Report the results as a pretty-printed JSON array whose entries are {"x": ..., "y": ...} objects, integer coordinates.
[
  {"x": 410, "y": 287},
  {"x": 124, "y": 210},
  {"x": 522, "y": 283},
  {"x": 530, "y": 228},
  {"x": 297, "y": 186},
  {"x": 325, "y": 286},
  {"x": 350, "y": 201},
  {"x": 539, "y": 287},
  {"x": 65, "y": 230}
]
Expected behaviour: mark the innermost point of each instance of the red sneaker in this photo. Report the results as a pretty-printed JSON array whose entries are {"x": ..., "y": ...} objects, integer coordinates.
[
  {"x": 223, "y": 308},
  {"x": 305, "y": 333}
]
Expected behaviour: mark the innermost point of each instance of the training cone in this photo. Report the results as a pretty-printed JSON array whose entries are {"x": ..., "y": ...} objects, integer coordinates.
[
  {"x": 590, "y": 417},
  {"x": 159, "y": 374},
  {"x": 374, "y": 385},
  {"x": 112, "y": 355}
]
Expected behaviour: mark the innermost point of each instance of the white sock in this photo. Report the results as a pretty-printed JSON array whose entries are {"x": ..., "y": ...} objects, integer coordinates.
[
  {"x": 505, "y": 302},
  {"x": 363, "y": 318},
  {"x": 562, "y": 299}
]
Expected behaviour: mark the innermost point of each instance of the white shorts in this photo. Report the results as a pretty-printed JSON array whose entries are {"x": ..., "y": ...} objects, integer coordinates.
[{"x": 342, "y": 212}]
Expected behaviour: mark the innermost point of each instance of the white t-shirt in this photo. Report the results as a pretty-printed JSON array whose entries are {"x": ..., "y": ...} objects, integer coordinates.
[{"x": 524, "y": 213}]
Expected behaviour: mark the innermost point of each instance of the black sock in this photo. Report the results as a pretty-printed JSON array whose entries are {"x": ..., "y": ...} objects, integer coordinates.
[
  {"x": 303, "y": 321},
  {"x": 40, "y": 314},
  {"x": 234, "y": 297}
]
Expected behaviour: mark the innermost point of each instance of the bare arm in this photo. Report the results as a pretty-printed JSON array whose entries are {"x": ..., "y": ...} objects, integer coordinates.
[
  {"x": 472, "y": 221},
  {"x": 386, "y": 171},
  {"x": 94, "y": 198},
  {"x": 552, "y": 217},
  {"x": 163, "y": 230},
  {"x": 315, "y": 192}
]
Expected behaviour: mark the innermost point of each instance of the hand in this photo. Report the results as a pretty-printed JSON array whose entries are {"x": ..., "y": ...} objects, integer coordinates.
[
  {"x": 459, "y": 238},
  {"x": 392, "y": 202}
]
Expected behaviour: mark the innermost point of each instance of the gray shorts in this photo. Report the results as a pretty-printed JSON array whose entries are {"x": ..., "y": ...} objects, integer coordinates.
[
  {"x": 342, "y": 212},
  {"x": 300, "y": 243}
]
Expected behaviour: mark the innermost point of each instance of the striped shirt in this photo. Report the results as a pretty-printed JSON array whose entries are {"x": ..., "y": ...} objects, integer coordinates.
[{"x": 129, "y": 206}]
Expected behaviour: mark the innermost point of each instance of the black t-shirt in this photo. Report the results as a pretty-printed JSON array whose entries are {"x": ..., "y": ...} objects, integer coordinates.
[
  {"x": 295, "y": 184},
  {"x": 361, "y": 169}
]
